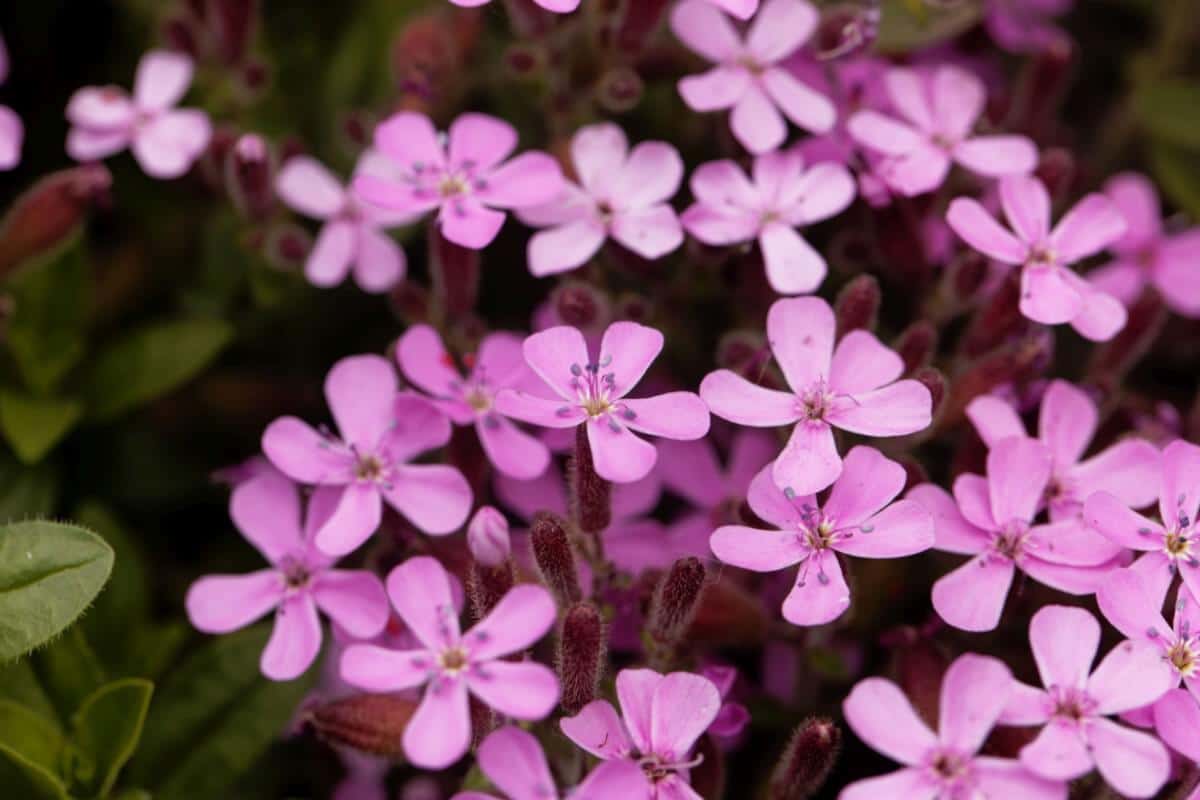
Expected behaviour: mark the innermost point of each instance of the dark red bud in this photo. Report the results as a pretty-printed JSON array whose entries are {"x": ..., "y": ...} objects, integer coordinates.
[
  {"x": 639, "y": 21},
  {"x": 619, "y": 89},
  {"x": 857, "y": 305},
  {"x": 917, "y": 344},
  {"x": 454, "y": 271},
  {"x": 486, "y": 585},
  {"x": 933, "y": 380},
  {"x": 369, "y": 723},
  {"x": 250, "y": 176},
  {"x": 579, "y": 304},
  {"x": 287, "y": 246},
  {"x": 675, "y": 601},
  {"x": 581, "y": 651},
  {"x": 591, "y": 495},
  {"x": 1057, "y": 170},
  {"x": 555, "y": 557},
  {"x": 807, "y": 760},
  {"x": 50, "y": 211}
]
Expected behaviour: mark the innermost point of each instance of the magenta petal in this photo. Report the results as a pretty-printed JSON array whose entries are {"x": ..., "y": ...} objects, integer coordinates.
[
  {"x": 551, "y": 354},
  {"x": 1132, "y": 675},
  {"x": 510, "y": 449},
  {"x": 627, "y": 351},
  {"x": 675, "y": 415},
  {"x": 994, "y": 419},
  {"x": 528, "y": 180},
  {"x": 902, "y": 783},
  {"x": 619, "y": 454},
  {"x": 1071, "y": 542},
  {"x": 683, "y": 707},
  {"x": 861, "y": 363},
  {"x": 354, "y": 599},
  {"x": 379, "y": 669},
  {"x": 1027, "y": 206},
  {"x": 1180, "y": 493},
  {"x": 650, "y": 175},
  {"x": 974, "y": 501},
  {"x": 1102, "y": 316},
  {"x": 539, "y": 410},
  {"x": 100, "y": 110},
  {"x": 884, "y": 134},
  {"x": 1125, "y": 603},
  {"x": 732, "y": 397},
  {"x": 420, "y": 592},
  {"x": 597, "y": 153},
  {"x": 305, "y": 455},
  {"x": 1177, "y": 718},
  {"x": 564, "y": 247},
  {"x": 439, "y": 733},
  {"x": 598, "y": 729},
  {"x": 361, "y": 392},
  {"x": 1059, "y": 752},
  {"x": 224, "y": 603},
  {"x": 409, "y": 138},
  {"x": 1027, "y": 706},
  {"x": 307, "y": 186},
  {"x": 719, "y": 88},
  {"x": 513, "y": 760},
  {"x": 770, "y": 503},
  {"x": 1003, "y": 777},
  {"x": 1107, "y": 515},
  {"x": 635, "y": 692},
  {"x": 972, "y": 596},
  {"x": 902, "y": 529},
  {"x": 355, "y": 518},
  {"x": 1064, "y": 640},
  {"x": 331, "y": 255},
  {"x": 435, "y": 497},
  {"x": 524, "y": 689},
  {"x": 803, "y": 105},
  {"x": 810, "y": 461},
  {"x": 975, "y": 690},
  {"x": 951, "y": 531},
  {"x": 266, "y": 510},
  {"x": 521, "y": 617},
  {"x": 480, "y": 140},
  {"x": 958, "y": 98},
  {"x": 651, "y": 233},
  {"x": 975, "y": 226},
  {"x": 722, "y": 185},
  {"x": 1128, "y": 470},
  {"x": 1136, "y": 199},
  {"x": 793, "y": 265},
  {"x": 916, "y": 173},
  {"x": 1048, "y": 296},
  {"x": 758, "y": 550},
  {"x": 800, "y": 331},
  {"x": 780, "y": 28},
  {"x": 997, "y": 156},
  {"x": 909, "y": 92},
  {"x": 1018, "y": 471},
  {"x": 879, "y": 713},
  {"x": 295, "y": 640},
  {"x": 869, "y": 481},
  {"x": 820, "y": 594},
  {"x": 163, "y": 76},
  {"x": 1093, "y": 224},
  {"x": 897, "y": 409},
  {"x": 721, "y": 225},
  {"x": 756, "y": 122},
  {"x": 705, "y": 30},
  {"x": 425, "y": 362},
  {"x": 1067, "y": 421},
  {"x": 468, "y": 223},
  {"x": 1134, "y": 763},
  {"x": 86, "y": 145},
  {"x": 380, "y": 263},
  {"x": 620, "y": 778},
  {"x": 167, "y": 146}
]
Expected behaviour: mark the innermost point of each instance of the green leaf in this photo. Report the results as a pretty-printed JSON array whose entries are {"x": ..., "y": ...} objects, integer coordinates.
[
  {"x": 905, "y": 26},
  {"x": 18, "y": 682},
  {"x": 108, "y": 726},
  {"x": 49, "y": 573},
  {"x": 31, "y": 754},
  {"x": 69, "y": 671},
  {"x": 1170, "y": 111},
  {"x": 33, "y": 425},
  {"x": 213, "y": 718},
  {"x": 1178, "y": 173},
  {"x": 26, "y": 491},
  {"x": 151, "y": 362},
  {"x": 121, "y": 612}
]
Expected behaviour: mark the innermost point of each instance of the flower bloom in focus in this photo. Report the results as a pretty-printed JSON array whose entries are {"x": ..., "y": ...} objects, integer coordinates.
[
  {"x": 451, "y": 664},
  {"x": 974, "y": 693},
  {"x": 592, "y": 391},
  {"x": 783, "y": 196},
  {"x": 467, "y": 178},
  {"x": 939, "y": 114},
  {"x": 855, "y": 520},
  {"x": 1051, "y": 293},
  {"x": 748, "y": 76},
  {"x": 1074, "y": 705},
  {"x": 352, "y": 238},
  {"x": 853, "y": 387},
  {"x": 1146, "y": 254},
  {"x": 498, "y": 365},
  {"x": 661, "y": 718},
  {"x": 991, "y": 519},
  {"x": 267, "y": 511},
  {"x": 164, "y": 140},
  {"x": 621, "y": 193},
  {"x": 381, "y": 430}
]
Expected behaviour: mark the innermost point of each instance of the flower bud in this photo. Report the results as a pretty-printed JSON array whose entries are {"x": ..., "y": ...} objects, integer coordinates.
[
  {"x": 917, "y": 344},
  {"x": 454, "y": 273},
  {"x": 591, "y": 495},
  {"x": 846, "y": 29},
  {"x": 487, "y": 537},
  {"x": 250, "y": 177},
  {"x": 619, "y": 89},
  {"x": 486, "y": 586},
  {"x": 807, "y": 760},
  {"x": 637, "y": 24},
  {"x": 675, "y": 600},
  {"x": 581, "y": 650},
  {"x": 555, "y": 558},
  {"x": 857, "y": 305},
  {"x": 50, "y": 211},
  {"x": 933, "y": 380},
  {"x": 369, "y": 723},
  {"x": 579, "y": 304},
  {"x": 287, "y": 246}
]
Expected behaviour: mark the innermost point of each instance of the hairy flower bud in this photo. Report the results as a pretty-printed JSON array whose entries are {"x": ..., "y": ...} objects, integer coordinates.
[
  {"x": 487, "y": 585},
  {"x": 857, "y": 305},
  {"x": 581, "y": 650},
  {"x": 454, "y": 271},
  {"x": 619, "y": 89},
  {"x": 917, "y": 344},
  {"x": 554, "y": 556},
  {"x": 807, "y": 760},
  {"x": 675, "y": 600},
  {"x": 250, "y": 176},
  {"x": 579, "y": 304},
  {"x": 49, "y": 212},
  {"x": 591, "y": 495},
  {"x": 933, "y": 380},
  {"x": 369, "y": 723}
]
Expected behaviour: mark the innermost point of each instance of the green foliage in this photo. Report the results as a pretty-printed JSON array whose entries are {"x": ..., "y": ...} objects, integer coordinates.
[
  {"x": 49, "y": 573},
  {"x": 31, "y": 754},
  {"x": 1178, "y": 172},
  {"x": 27, "y": 491},
  {"x": 905, "y": 25},
  {"x": 1170, "y": 112},
  {"x": 33, "y": 425},
  {"x": 107, "y": 728}
]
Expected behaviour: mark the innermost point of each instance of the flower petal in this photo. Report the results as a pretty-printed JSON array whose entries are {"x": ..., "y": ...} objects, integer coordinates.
[
  {"x": 675, "y": 415},
  {"x": 627, "y": 351},
  {"x": 354, "y": 599},
  {"x": 1059, "y": 752},
  {"x": 897, "y": 409},
  {"x": 524, "y": 690},
  {"x": 1004, "y": 777},
  {"x": 1027, "y": 207},
  {"x": 266, "y": 510},
  {"x": 1180, "y": 493},
  {"x": 307, "y": 186},
  {"x": 806, "y": 107},
  {"x": 975, "y": 226},
  {"x": 902, "y": 529},
  {"x": 1177, "y": 718},
  {"x": 820, "y": 594},
  {"x": 758, "y": 550},
  {"x": 652, "y": 174},
  {"x": 295, "y": 640},
  {"x": 651, "y": 232},
  {"x": 869, "y": 481},
  {"x": 621, "y": 778},
  {"x": 1091, "y": 225},
  {"x": 224, "y": 603},
  {"x": 780, "y": 28},
  {"x": 361, "y": 392},
  {"x": 972, "y": 597},
  {"x": 1067, "y": 422},
  {"x": 436, "y": 498},
  {"x": 974, "y": 692},
  {"x": 951, "y": 531},
  {"x": 1064, "y": 640},
  {"x": 521, "y": 618},
  {"x": 732, "y": 397},
  {"x": 958, "y": 100},
  {"x": 756, "y": 122},
  {"x": 810, "y": 461},
  {"x": 994, "y": 419},
  {"x": 911, "y": 784},
  {"x": 598, "y": 729},
  {"x": 564, "y": 247},
  {"x": 356, "y": 516},
  {"x": 770, "y": 503},
  {"x": 529, "y": 179},
  {"x": 1129, "y": 470},
  {"x": 1018, "y": 471},
  {"x": 420, "y": 592},
  {"x": 162, "y": 79},
  {"x": 1127, "y": 606},
  {"x": 553, "y": 353},
  {"x": 409, "y": 138},
  {"x": 380, "y": 669},
  {"x": 861, "y": 363},
  {"x": 997, "y": 156},
  {"x": 510, "y": 449},
  {"x": 619, "y": 454},
  {"x": 439, "y": 732},
  {"x": 468, "y": 223},
  {"x": 380, "y": 263},
  {"x": 719, "y": 88},
  {"x": 305, "y": 455},
  {"x": 1132, "y": 675},
  {"x": 167, "y": 146},
  {"x": 513, "y": 760},
  {"x": 1134, "y": 763},
  {"x": 793, "y": 265},
  {"x": 800, "y": 331},
  {"x": 683, "y": 707},
  {"x": 879, "y": 713},
  {"x": 884, "y": 134},
  {"x": 635, "y": 693},
  {"x": 332, "y": 254},
  {"x": 705, "y": 30},
  {"x": 480, "y": 140}
]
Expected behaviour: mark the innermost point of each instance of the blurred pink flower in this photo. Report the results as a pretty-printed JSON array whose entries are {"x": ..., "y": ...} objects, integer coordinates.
[
  {"x": 165, "y": 140},
  {"x": 1076, "y": 702},
  {"x": 853, "y": 387},
  {"x": 381, "y": 429},
  {"x": 748, "y": 76},
  {"x": 1146, "y": 254},
  {"x": 991, "y": 519},
  {"x": 742, "y": 9},
  {"x": 352, "y": 237},
  {"x": 783, "y": 196},
  {"x": 621, "y": 193},
  {"x": 661, "y": 718},
  {"x": 487, "y": 537},
  {"x": 1050, "y": 292},
  {"x": 975, "y": 690},
  {"x": 450, "y": 663},
  {"x": 464, "y": 176},
  {"x": 858, "y": 519},
  {"x": 561, "y": 6},
  {"x": 12, "y": 132},
  {"x": 592, "y": 392},
  {"x": 498, "y": 365},
  {"x": 733, "y": 717},
  {"x": 267, "y": 511},
  {"x": 1022, "y": 26},
  {"x": 1171, "y": 547},
  {"x": 939, "y": 112}
]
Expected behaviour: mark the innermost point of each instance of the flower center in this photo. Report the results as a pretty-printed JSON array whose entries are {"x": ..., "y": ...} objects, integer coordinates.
[
  {"x": 1072, "y": 704},
  {"x": 1177, "y": 544},
  {"x": 949, "y": 766},
  {"x": 453, "y": 660},
  {"x": 295, "y": 574},
  {"x": 594, "y": 392},
  {"x": 1042, "y": 256},
  {"x": 369, "y": 468},
  {"x": 943, "y": 142},
  {"x": 657, "y": 768},
  {"x": 478, "y": 399},
  {"x": 1010, "y": 540},
  {"x": 1184, "y": 658},
  {"x": 452, "y": 186},
  {"x": 815, "y": 402}
]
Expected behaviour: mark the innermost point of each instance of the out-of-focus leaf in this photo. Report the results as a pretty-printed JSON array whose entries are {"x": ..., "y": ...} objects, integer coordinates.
[
  {"x": 49, "y": 573},
  {"x": 1178, "y": 173},
  {"x": 47, "y": 332},
  {"x": 26, "y": 491},
  {"x": 152, "y": 361},
  {"x": 69, "y": 671},
  {"x": 18, "y": 682},
  {"x": 31, "y": 754},
  {"x": 122, "y": 608},
  {"x": 107, "y": 728},
  {"x": 1170, "y": 111},
  {"x": 214, "y": 716},
  {"x": 905, "y": 26},
  {"x": 33, "y": 425}
]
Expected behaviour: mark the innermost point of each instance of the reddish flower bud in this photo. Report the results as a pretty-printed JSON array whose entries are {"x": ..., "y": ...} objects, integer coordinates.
[
  {"x": 50, "y": 211},
  {"x": 917, "y": 344},
  {"x": 581, "y": 651},
  {"x": 807, "y": 760},
  {"x": 487, "y": 585},
  {"x": 591, "y": 495},
  {"x": 579, "y": 304},
  {"x": 369, "y": 723},
  {"x": 454, "y": 272},
  {"x": 675, "y": 601},
  {"x": 638, "y": 23},
  {"x": 933, "y": 380},
  {"x": 554, "y": 556},
  {"x": 250, "y": 177},
  {"x": 1057, "y": 170},
  {"x": 619, "y": 89},
  {"x": 857, "y": 305},
  {"x": 287, "y": 246},
  {"x": 487, "y": 537},
  {"x": 234, "y": 24}
]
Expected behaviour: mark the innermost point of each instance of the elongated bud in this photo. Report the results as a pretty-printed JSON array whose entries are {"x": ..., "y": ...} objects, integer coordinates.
[
  {"x": 916, "y": 344},
  {"x": 455, "y": 273},
  {"x": 675, "y": 600},
  {"x": 487, "y": 537},
  {"x": 581, "y": 650},
  {"x": 486, "y": 586},
  {"x": 48, "y": 213},
  {"x": 250, "y": 177},
  {"x": 369, "y": 723},
  {"x": 933, "y": 380},
  {"x": 966, "y": 275},
  {"x": 807, "y": 760},
  {"x": 591, "y": 495},
  {"x": 857, "y": 304},
  {"x": 580, "y": 304},
  {"x": 554, "y": 556}
]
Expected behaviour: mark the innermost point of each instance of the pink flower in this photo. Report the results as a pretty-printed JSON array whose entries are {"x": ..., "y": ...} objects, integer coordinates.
[
  {"x": 1146, "y": 254},
  {"x": 974, "y": 692},
  {"x": 561, "y": 6},
  {"x": 165, "y": 140},
  {"x": 487, "y": 537},
  {"x": 513, "y": 761},
  {"x": 748, "y": 76},
  {"x": 1066, "y": 424},
  {"x": 593, "y": 392},
  {"x": 853, "y": 388},
  {"x": 1074, "y": 706},
  {"x": 663, "y": 716},
  {"x": 991, "y": 519},
  {"x": 1172, "y": 546},
  {"x": 858, "y": 519},
  {"x": 352, "y": 237},
  {"x": 267, "y": 511},
  {"x": 1050, "y": 292},
  {"x": 733, "y": 717},
  {"x": 1022, "y": 26},
  {"x": 742, "y": 9},
  {"x": 381, "y": 430},
  {"x": 451, "y": 664},
  {"x": 939, "y": 112},
  {"x": 783, "y": 196},
  {"x": 12, "y": 132},
  {"x": 623, "y": 194},
  {"x": 499, "y": 365},
  {"x": 1176, "y": 719},
  {"x": 466, "y": 178}
]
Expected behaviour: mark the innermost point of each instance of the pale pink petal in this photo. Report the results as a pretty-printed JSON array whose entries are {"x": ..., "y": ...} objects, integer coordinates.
[
  {"x": 719, "y": 226},
  {"x": 758, "y": 550},
  {"x": 861, "y": 363},
  {"x": 378, "y": 669},
  {"x": 1102, "y": 316},
  {"x": 806, "y": 107},
  {"x": 539, "y": 410},
  {"x": 1176, "y": 271},
  {"x": 1064, "y": 640},
  {"x": 683, "y": 707},
  {"x": 1070, "y": 541},
  {"x": 266, "y": 510},
  {"x": 439, "y": 732},
  {"x": 756, "y": 122},
  {"x": 501, "y": 359},
  {"x": 305, "y": 455},
  {"x": 975, "y": 226},
  {"x": 972, "y": 596},
  {"x": 1109, "y": 516},
  {"x": 902, "y": 529},
  {"x": 355, "y": 518},
  {"x": 1129, "y": 470},
  {"x": 652, "y": 174},
  {"x": 332, "y": 253},
  {"x": 307, "y": 186},
  {"x": 635, "y": 693},
  {"x": 1027, "y": 207},
  {"x": 619, "y": 454},
  {"x": 897, "y": 409},
  {"x": 354, "y": 599},
  {"x": 1177, "y": 718},
  {"x": 869, "y": 481},
  {"x": 565, "y": 247},
  {"x": 823, "y": 191},
  {"x": 770, "y": 503},
  {"x": 420, "y": 592},
  {"x": 434, "y": 497},
  {"x": 675, "y": 415},
  {"x": 521, "y": 617},
  {"x": 1134, "y": 763},
  {"x": 800, "y": 331},
  {"x": 951, "y": 531},
  {"x": 958, "y": 100},
  {"x": 1180, "y": 494},
  {"x": 780, "y": 28},
  {"x": 705, "y": 30},
  {"x": 793, "y": 265},
  {"x": 723, "y": 185},
  {"x": 101, "y": 109},
  {"x": 909, "y": 92},
  {"x": 879, "y": 713},
  {"x": 1004, "y": 778},
  {"x": 167, "y": 146},
  {"x": 480, "y": 140},
  {"x": 911, "y": 784},
  {"x": 598, "y": 152},
  {"x": 1156, "y": 570},
  {"x": 1132, "y": 675},
  {"x": 468, "y": 223},
  {"x": 392, "y": 197},
  {"x": 416, "y": 426},
  {"x": 88, "y": 145},
  {"x": 295, "y": 640},
  {"x": 521, "y": 689},
  {"x": 224, "y": 603},
  {"x": 552, "y": 353},
  {"x": 598, "y": 729},
  {"x": 921, "y": 171},
  {"x": 1136, "y": 199},
  {"x": 997, "y": 156},
  {"x": 163, "y": 77},
  {"x": 810, "y": 461},
  {"x": 651, "y": 233},
  {"x": 717, "y": 89},
  {"x": 742, "y": 9},
  {"x": 513, "y": 451},
  {"x": 527, "y": 180},
  {"x": 975, "y": 690},
  {"x": 994, "y": 419},
  {"x": 1018, "y": 471},
  {"x": 361, "y": 392},
  {"x": 513, "y": 760},
  {"x": 1027, "y": 706},
  {"x": 1059, "y": 752},
  {"x": 1125, "y": 603},
  {"x": 409, "y": 138},
  {"x": 1066, "y": 422},
  {"x": 1091, "y": 225},
  {"x": 380, "y": 263},
  {"x": 622, "y": 778},
  {"x": 820, "y": 594},
  {"x": 884, "y": 134},
  {"x": 627, "y": 351},
  {"x": 974, "y": 501},
  {"x": 732, "y": 397}
]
